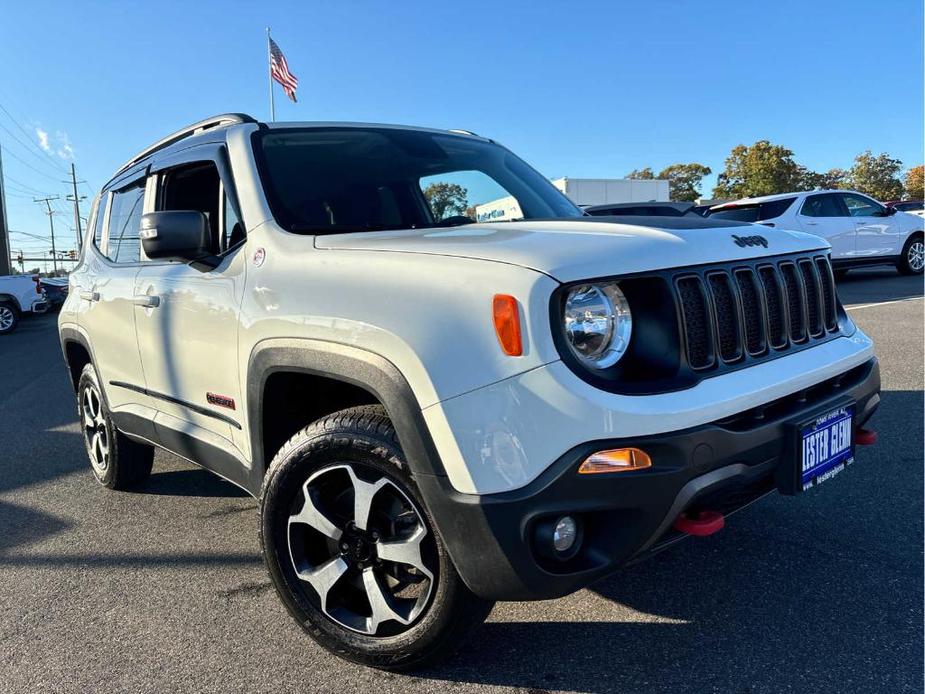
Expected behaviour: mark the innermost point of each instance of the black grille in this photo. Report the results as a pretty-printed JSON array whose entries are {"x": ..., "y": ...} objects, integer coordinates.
[
  {"x": 697, "y": 322},
  {"x": 795, "y": 302},
  {"x": 830, "y": 313},
  {"x": 752, "y": 312},
  {"x": 727, "y": 316},
  {"x": 746, "y": 311},
  {"x": 813, "y": 297},
  {"x": 774, "y": 299}
]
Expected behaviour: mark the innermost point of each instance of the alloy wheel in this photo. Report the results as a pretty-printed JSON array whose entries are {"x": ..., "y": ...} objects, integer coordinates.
[
  {"x": 96, "y": 433},
  {"x": 363, "y": 548},
  {"x": 6, "y": 318},
  {"x": 916, "y": 255}
]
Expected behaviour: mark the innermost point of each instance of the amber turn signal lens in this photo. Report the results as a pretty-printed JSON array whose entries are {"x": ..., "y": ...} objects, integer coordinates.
[
  {"x": 615, "y": 460},
  {"x": 507, "y": 324}
]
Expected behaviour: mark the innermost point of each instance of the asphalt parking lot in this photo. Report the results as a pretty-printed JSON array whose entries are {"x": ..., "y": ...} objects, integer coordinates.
[{"x": 164, "y": 590}]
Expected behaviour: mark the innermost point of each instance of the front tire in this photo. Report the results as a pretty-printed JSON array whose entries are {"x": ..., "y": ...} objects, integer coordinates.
[
  {"x": 912, "y": 260},
  {"x": 117, "y": 462},
  {"x": 352, "y": 550}
]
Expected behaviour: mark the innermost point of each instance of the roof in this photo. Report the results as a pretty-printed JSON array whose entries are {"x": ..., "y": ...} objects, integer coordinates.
[
  {"x": 207, "y": 129},
  {"x": 776, "y": 196}
]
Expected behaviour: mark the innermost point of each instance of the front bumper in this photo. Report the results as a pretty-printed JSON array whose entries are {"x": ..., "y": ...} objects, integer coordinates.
[{"x": 720, "y": 466}]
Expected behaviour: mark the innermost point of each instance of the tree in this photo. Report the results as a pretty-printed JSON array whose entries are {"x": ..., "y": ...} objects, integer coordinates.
[
  {"x": 447, "y": 199},
  {"x": 832, "y": 179},
  {"x": 762, "y": 169},
  {"x": 877, "y": 176},
  {"x": 914, "y": 186},
  {"x": 641, "y": 174},
  {"x": 684, "y": 180}
]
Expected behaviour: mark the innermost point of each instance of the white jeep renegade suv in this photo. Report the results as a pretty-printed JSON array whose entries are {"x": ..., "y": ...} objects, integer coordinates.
[{"x": 434, "y": 413}]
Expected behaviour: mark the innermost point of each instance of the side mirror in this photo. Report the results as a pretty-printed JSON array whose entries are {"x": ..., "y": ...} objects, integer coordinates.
[
  {"x": 890, "y": 211},
  {"x": 178, "y": 235}
]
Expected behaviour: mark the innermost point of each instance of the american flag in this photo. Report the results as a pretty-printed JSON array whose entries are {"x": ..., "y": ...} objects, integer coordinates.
[{"x": 279, "y": 70}]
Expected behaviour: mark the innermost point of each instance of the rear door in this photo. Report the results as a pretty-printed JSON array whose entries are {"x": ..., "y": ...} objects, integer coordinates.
[
  {"x": 106, "y": 309},
  {"x": 825, "y": 215},
  {"x": 878, "y": 234}
]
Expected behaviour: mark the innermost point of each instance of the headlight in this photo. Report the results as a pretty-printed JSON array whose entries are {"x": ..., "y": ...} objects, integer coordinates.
[{"x": 597, "y": 323}]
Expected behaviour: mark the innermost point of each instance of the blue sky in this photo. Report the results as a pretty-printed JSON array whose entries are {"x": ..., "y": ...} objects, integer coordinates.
[{"x": 584, "y": 89}]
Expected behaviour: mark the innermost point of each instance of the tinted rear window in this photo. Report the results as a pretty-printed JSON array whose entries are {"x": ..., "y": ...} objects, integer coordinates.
[{"x": 757, "y": 212}]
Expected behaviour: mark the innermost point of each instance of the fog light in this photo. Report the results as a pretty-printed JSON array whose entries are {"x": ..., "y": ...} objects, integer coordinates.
[
  {"x": 615, "y": 460},
  {"x": 558, "y": 538},
  {"x": 565, "y": 534}
]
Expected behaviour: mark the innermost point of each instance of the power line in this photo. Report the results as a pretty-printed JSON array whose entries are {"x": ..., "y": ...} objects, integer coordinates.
[
  {"x": 25, "y": 163},
  {"x": 28, "y": 136},
  {"x": 16, "y": 139}
]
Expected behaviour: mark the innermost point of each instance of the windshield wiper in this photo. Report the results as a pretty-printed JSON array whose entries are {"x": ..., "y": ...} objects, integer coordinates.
[{"x": 301, "y": 227}]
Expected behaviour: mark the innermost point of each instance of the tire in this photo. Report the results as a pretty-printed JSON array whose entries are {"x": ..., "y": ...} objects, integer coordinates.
[
  {"x": 117, "y": 462},
  {"x": 9, "y": 317},
  {"x": 912, "y": 260},
  {"x": 346, "y": 598}
]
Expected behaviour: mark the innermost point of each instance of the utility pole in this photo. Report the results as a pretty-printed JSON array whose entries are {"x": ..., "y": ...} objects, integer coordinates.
[
  {"x": 75, "y": 198},
  {"x": 51, "y": 222},
  {"x": 5, "y": 268}
]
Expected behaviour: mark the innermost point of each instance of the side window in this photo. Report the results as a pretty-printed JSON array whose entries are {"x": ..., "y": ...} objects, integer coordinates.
[
  {"x": 99, "y": 219},
  {"x": 825, "y": 205},
  {"x": 194, "y": 187},
  {"x": 859, "y": 206},
  {"x": 232, "y": 227},
  {"x": 126, "y": 207}
]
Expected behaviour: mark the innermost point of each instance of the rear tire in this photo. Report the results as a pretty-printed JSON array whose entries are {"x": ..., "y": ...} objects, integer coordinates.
[
  {"x": 354, "y": 553},
  {"x": 117, "y": 462},
  {"x": 9, "y": 317},
  {"x": 912, "y": 260}
]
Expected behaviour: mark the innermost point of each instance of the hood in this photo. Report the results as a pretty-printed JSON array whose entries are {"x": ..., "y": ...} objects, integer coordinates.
[{"x": 588, "y": 247}]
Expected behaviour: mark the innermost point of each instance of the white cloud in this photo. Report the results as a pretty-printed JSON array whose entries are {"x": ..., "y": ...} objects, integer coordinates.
[
  {"x": 43, "y": 139},
  {"x": 64, "y": 149}
]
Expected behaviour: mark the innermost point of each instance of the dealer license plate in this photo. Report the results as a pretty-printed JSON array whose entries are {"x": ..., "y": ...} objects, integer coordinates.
[{"x": 826, "y": 447}]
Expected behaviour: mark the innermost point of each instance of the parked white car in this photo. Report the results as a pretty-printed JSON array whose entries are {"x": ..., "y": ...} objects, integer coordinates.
[
  {"x": 19, "y": 294},
  {"x": 861, "y": 230},
  {"x": 436, "y": 413}
]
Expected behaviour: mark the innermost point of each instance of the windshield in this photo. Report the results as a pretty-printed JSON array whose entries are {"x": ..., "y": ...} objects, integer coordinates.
[{"x": 337, "y": 179}]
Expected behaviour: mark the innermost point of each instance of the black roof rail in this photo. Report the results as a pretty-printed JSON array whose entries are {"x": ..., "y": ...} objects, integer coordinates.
[{"x": 219, "y": 121}]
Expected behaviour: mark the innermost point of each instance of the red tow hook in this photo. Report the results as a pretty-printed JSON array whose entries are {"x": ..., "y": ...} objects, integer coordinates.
[
  {"x": 700, "y": 524},
  {"x": 865, "y": 437}
]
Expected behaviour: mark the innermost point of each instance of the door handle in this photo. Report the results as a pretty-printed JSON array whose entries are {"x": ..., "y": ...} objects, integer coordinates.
[
  {"x": 147, "y": 301},
  {"x": 811, "y": 224},
  {"x": 90, "y": 296}
]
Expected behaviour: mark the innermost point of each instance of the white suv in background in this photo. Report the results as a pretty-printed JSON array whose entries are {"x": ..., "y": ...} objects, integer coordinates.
[{"x": 861, "y": 230}]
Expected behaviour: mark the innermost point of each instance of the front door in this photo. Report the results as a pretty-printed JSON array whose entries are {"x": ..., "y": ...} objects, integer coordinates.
[
  {"x": 878, "y": 233},
  {"x": 188, "y": 331},
  {"x": 825, "y": 215}
]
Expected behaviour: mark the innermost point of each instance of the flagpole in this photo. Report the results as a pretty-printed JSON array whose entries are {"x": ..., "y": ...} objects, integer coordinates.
[{"x": 270, "y": 77}]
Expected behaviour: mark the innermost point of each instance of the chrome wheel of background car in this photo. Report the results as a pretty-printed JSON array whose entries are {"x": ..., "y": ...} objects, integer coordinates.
[
  {"x": 95, "y": 431},
  {"x": 916, "y": 255},
  {"x": 6, "y": 318},
  {"x": 362, "y": 546}
]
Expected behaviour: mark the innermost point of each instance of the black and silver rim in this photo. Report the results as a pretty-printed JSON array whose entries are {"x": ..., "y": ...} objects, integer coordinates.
[
  {"x": 95, "y": 432},
  {"x": 363, "y": 548},
  {"x": 6, "y": 318},
  {"x": 916, "y": 255}
]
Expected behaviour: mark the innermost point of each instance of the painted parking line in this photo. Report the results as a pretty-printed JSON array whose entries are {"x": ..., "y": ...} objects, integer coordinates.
[{"x": 883, "y": 303}]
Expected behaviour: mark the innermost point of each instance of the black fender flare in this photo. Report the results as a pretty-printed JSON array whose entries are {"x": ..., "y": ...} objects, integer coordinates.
[{"x": 354, "y": 365}]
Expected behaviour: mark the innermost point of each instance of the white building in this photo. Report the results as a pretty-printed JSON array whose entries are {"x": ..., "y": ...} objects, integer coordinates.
[
  {"x": 600, "y": 191},
  {"x": 583, "y": 192}
]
